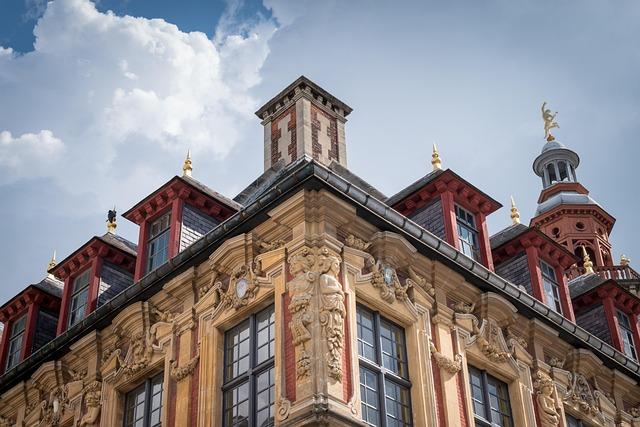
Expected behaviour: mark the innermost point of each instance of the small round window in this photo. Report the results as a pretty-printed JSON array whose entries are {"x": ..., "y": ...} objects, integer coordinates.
[
  {"x": 580, "y": 225},
  {"x": 555, "y": 232}
]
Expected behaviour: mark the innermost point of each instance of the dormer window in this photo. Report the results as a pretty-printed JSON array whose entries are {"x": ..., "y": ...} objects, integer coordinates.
[
  {"x": 626, "y": 334},
  {"x": 79, "y": 297},
  {"x": 16, "y": 340},
  {"x": 467, "y": 233},
  {"x": 551, "y": 287},
  {"x": 158, "y": 243}
]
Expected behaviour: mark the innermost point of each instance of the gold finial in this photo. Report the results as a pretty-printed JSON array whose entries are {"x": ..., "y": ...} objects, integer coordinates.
[
  {"x": 435, "y": 158},
  {"x": 588, "y": 265},
  {"x": 111, "y": 221},
  {"x": 549, "y": 122},
  {"x": 624, "y": 260},
  {"x": 52, "y": 263},
  {"x": 515, "y": 213},
  {"x": 187, "y": 166}
]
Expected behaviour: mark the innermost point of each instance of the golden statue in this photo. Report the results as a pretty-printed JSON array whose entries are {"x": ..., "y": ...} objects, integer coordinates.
[{"x": 549, "y": 122}]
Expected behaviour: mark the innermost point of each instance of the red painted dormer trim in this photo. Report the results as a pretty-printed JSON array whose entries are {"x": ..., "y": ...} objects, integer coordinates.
[
  {"x": 91, "y": 255},
  {"x": 29, "y": 302},
  {"x": 173, "y": 196},
  {"x": 453, "y": 190},
  {"x": 613, "y": 297},
  {"x": 538, "y": 246}
]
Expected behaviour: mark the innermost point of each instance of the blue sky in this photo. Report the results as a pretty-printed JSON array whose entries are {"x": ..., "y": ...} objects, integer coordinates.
[{"x": 101, "y": 110}]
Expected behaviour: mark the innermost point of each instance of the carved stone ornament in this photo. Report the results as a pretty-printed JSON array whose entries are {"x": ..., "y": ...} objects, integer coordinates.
[
  {"x": 92, "y": 400},
  {"x": 312, "y": 269},
  {"x": 332, "y": 310},
  {"x": 545, "y": 390},
  {"x": 242, "y": 287},
  {"x": 554, "y": 362},
  {"x": 445, "y": 363},
  {"x": 513, "y": 338},
  {"x": 283, "y": 406},
  {"x": 182, "y": 372},
  {"x": 635, "y": 412},
  {"x": 270, "y": 246},
  {"x": 301, "y": 292},
  {"x": 421, "y": 281},
  {"x": 6, "y": 422},
  {"x": 356, "y": 243},
  {"x": 53, "y": 407},
  {"x": 580, "y": 395},
  {"x": 462, "y": 307},
  {"x": 489, "y": 339},
  {"x": 386, "y": 280}
]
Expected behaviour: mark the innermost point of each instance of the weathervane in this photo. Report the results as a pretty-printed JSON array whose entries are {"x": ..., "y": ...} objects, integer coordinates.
[
  {"x": 549, "y": 122},
  {"x": 111, "y": 221}
]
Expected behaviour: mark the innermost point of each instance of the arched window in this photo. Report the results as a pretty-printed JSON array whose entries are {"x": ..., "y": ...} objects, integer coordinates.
[
  {"x": 551, "y": 171},
  {"x": 564, "y": 172}
]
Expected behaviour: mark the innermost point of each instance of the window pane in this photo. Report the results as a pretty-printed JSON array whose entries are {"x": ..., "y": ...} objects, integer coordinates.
[
  {"x": 265, "y": 339},
  {"x": 397, "y": 404},
  {"x": 237, "y": 351},
  {"x": 369, "y": 397},
  {"x": 134, "y": 407},
  {"x": 477, "y": 392},
  {"x": 236, "y": 403},
  {"x": 467, "y": 234},
  {"x": 78, "y": 307},
  {"x": 499, "y": 401},
  {"x": 394, "y": 356},
  {"x": 265, "y": 390},
  {"x": 15, "y": 348},
  {"x": 18, "y": 326},
  {"x": 366, "y": 334}
]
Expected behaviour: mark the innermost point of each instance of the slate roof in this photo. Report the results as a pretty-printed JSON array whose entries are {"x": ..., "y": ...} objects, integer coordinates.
[
  {"x": 210, "y": 192},
  {"x": 119, "y": 242},
  {"x": 583, "y": 284},
  {"x": 415, "y": 186},
  {"x": 50, "y": 285},
  {"x": 507, "y": 234},
  {"x": 309, "y": 174}
]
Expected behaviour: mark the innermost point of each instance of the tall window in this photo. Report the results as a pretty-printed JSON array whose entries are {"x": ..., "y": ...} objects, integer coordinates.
[
  {"x": 467, "y": 233},
  {"x": 158, "y": 243},
  {"x": 490, "y": 398},
  {"x": 248, "y": 389},
  {"x": 384, "y": 377},
  {"x": 79, "y": 297},
  {"x": 16, "y": 340},
  {"x": 143, "y": 406},
  {"x": 627, "y": 335},
  {"x": 551, "y": 287},
  {"x": 573, "y": 422}
]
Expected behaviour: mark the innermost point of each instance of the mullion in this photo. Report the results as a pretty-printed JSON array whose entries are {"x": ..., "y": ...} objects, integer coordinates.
[{"x": 147, "y": 403}]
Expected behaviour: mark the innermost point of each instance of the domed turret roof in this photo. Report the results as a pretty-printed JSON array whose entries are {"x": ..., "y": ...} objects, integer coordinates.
[
  {"x": 565, "y": 198},
  {"x": 552, "y": 145}
]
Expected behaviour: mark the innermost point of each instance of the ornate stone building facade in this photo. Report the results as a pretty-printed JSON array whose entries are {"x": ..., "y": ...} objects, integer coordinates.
[{"x": 313, "y": 299}]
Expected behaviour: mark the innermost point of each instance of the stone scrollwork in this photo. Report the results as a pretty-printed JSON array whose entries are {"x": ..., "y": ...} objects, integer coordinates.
[
  {"x": 356, "y": 243},
  {"x": 462, "y": 307},
  {"x": 6, "y": 422},
  {"x": 270, "y": 246},
  {"x": 178, "y": 373},
  {"x": 421, "y": 281},
  {"x": 332, "y": 310},
  {"x": 546, "y": 398},
  {"x": 490, "y": 340},
  {"x": 242, "y": 287},
  {"x": 386, "y": 280},
  {"x": 283, "y": 406},
  {"x": 53, "y": 407},
  {"x": 635, "y": 412},
  {"x": 513, "y": 338},
  {"x": 301, "y": 292},
  {"x": 445, "y": 363},
  {"x": 92, "y": 399},
  {"x": 580, "y": 395}
]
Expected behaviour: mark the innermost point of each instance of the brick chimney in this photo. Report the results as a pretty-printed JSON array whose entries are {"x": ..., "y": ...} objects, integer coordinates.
[{"x": 304, "y": 119}]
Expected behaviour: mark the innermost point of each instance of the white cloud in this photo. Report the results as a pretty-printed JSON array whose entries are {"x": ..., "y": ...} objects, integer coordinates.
[
  {"x": 29, "y": 155},
  {"x": 113, "y": 88}
]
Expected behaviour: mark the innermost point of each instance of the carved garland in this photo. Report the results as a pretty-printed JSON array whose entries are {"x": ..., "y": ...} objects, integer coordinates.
[
  {"x": 488, "y": 340},
  {"x": 444, "y": 362},
  {"x": 182, "y": 372},
  {"x": 386, "y": 280}
]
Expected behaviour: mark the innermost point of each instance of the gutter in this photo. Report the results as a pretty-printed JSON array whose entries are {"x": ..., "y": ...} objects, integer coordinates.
[{"x": 301, "y": 172}]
